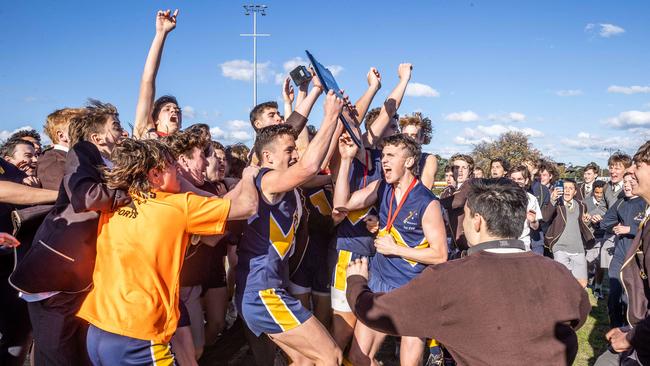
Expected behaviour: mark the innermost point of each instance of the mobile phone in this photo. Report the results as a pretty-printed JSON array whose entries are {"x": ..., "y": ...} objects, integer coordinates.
[{"x": 300, "y": 75}]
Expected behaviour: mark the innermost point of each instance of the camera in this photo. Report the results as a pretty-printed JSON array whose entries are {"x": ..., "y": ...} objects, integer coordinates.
[{"x": 300, "y": 75}]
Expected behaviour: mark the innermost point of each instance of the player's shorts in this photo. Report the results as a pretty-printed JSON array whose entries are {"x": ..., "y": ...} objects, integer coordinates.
[
  {"x": 312, "y": 274},
  {"x": 271, "y": 311},
  {"x": 607, "y": 252},
  {"x": 105, "y": 348},
  {"x": 574, "y": 262},
  {"x": 377, "y": 285},
  {"x": 339, "y": 279}
]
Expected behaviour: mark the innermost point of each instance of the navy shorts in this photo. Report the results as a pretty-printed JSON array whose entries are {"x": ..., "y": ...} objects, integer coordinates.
[
  {"x": 312, "y": 274},
  {"x": 271, "y": 311},
  {"x": 105, "y": 348}
]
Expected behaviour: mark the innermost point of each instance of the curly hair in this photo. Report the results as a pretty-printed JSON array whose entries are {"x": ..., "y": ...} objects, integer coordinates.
[
  {"x": 268, "y": 134},
  {"x": 466, "y": 158},
  {"x": 26, "y": 133},
  {"x": 550, "y": 167},
  {"x": 132, "y": 161},
  {"x": 418, "y": 120},
  {"x": 183, "y": 143},
  {"x": 411, "y": 146},
  {"x": 92, "y": 120},
  {"x": 58, "y": 119},
  {"x": 8, "y": 148},
  {"x": 371, "y": 116},
  {"x": 159, "y": 103}
]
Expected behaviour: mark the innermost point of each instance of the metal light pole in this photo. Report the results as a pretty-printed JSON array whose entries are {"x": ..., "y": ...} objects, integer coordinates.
[{"x": 254, "y": 9}]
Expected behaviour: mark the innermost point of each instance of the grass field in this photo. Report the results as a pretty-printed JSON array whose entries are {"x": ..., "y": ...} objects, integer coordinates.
[{"x": 591, "y": 337}]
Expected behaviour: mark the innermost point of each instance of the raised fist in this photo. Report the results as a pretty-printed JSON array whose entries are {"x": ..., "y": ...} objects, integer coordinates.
[
  {"x": 165, "y": 21},
  {"x": 374, "y": 78},
  {"x": 404, "y": 71}
]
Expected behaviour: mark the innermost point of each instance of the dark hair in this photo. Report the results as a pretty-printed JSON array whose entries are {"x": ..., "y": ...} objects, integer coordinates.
[
  {"x": 25, "y": 133},
  {"x": 159, "y": 103},
  {"x": 643, "y": 154},
  {"x": 258, "y": 110},
  {"x": 92, "y": 120},
  {"x": 237, "y": 156},
  {"x": 216, "y": 145},
  {"x": 520, "y": 169},
  {"x": 619, "y": 157},
  {"x": 501, "y": 203},
  {"x": 549, "y": 167},
  {"x": 268, "y": 134},
  {"x": 600, "y": 184},
  {"x": 448, "y": 168},
  {"x": 592, "y": 166},
  {"x": 466, "y": 158},
  {"x": 370, "y": 117},
  {"x": 479, "y": 168},
  {"x": 411, "y": 146},
  {"x": 569, "y": 180},
  {"x": 504, "y": 163},
  {"x": 418, "y": 120},
  {"x": 9, "y": 147}
]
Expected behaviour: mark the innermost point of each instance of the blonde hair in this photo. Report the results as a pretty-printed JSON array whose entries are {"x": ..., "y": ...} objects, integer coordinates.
[{"x": 58, "y": 119}]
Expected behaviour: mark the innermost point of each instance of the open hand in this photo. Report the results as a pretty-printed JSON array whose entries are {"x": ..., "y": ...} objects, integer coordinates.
[
  {"x": 347, "y": 148},
  {"x": 32, "y": 181},
  {"x": 165, "y": 21},
  {"x": 287, "y": 91},
  {"x": 358, "y": 267}
]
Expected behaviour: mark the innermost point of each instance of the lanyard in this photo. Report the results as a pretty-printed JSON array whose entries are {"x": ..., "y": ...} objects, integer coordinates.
[
  {"x": 391, "y": 217},
  {"x": 365, "y": 169}
]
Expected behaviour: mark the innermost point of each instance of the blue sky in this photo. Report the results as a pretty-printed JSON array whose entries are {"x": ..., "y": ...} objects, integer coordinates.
[{"x": 574, "y": 75}]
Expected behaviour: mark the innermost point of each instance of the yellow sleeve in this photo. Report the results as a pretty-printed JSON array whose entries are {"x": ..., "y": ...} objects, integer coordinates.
[{"x": 206, "y": 215}]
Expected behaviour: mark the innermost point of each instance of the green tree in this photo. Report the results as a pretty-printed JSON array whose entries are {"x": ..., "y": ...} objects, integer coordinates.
[{"x": 512, "y": 146}]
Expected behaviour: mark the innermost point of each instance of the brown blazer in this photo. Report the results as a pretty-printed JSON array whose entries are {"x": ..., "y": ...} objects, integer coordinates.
[
  {"x": 50, "y": 169},
  {"x": 638, "y": 311},
  {"x": 555, "y": 216}
]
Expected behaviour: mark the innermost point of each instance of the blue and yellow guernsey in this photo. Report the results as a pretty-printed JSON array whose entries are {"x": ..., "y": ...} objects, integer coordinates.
[
  {"x": 407, "y": 231},
  {"x": 267, "y": 243},
  {"x": 352, "y": 234}
]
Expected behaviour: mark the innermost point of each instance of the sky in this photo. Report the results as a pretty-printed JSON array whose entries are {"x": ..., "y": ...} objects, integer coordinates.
[{"x": 572, "y": 75}]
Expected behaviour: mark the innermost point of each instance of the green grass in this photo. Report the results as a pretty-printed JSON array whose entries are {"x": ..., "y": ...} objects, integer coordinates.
[{"x": 591, "y": 337}]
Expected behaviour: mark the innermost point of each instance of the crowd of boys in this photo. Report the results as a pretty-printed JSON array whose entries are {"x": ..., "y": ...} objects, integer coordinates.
[{"x": 152, "y": 249}]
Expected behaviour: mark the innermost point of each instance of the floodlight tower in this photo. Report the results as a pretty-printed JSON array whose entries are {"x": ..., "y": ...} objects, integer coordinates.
[{"x": 254, "y": 9}]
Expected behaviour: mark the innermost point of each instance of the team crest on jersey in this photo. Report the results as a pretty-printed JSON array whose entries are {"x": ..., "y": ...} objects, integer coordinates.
[
  {"x": 401, "y": 242},
  {"x": 281, "y": 240},
  {"x": 411, "y": 221}
]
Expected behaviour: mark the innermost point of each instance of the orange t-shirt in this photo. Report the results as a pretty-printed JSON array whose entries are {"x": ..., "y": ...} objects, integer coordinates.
[{"x": 139, "y": 258}]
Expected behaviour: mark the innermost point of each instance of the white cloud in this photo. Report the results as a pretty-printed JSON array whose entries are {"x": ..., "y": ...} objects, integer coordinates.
[
  {"x": 241, "y": 135},
  {"x": 4, "y": 134},
  {"x": 630, "y": 119},
  {"x": 473, "y": 136},
  {"x": 465, "y": 116},
  {"x": 293, "y": 63},
  {"x": 335, "y": 69},
  {"x": 508, "y": 117},
  {"x": 189, "y": 112},
  {"x": 243, "y": 70},
  {"x": 421, "y": 90},
  {"x": 634, "y": 89},
  {"x": 238, "y": 124},
  {"x": 605, "y": 30},
  {"x": 232, "y": 131},
  {"x": 217, "y": 133},
  {"x": 568, "y": 92},
  {"x": 585, "y": 141}
]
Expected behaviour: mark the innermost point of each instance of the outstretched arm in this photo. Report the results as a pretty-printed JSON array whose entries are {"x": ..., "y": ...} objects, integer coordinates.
[
  {"x": 287, "y": 96},
  {"x": 20, "y": 194},
  {"x": 165, "y": 23},
  {"x": 363, "y": 104},
  {"x": 245, "y": 204},
  {"x": 277, "y": 181},
  {"x": 390, "y": 107}
]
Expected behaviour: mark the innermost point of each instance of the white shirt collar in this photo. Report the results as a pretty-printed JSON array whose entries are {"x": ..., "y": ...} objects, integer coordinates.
[{"x": 60, "y": 147}]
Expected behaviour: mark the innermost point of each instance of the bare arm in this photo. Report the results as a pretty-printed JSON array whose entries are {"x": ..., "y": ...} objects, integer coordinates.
[
  {"x": 428, "y": 174},
  {"x": 245, "y": 204},
  {"x": 304, "y": 107},
  {"x": 19, "y": 194},
  {"x": 165, "y": 23},
  {"x": 287, "y": 96},
  {"x": 277, "y": 181},
  {"x": 374, "y": 84},
  {"x": 390, "y": 107},
  {"x": 433, "y": 226},
  {"x": 360, "y": 199}
]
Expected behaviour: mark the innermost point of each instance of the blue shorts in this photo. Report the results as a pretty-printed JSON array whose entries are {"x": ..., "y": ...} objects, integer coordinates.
[
  {"x": 105, "y": 348},
  {"x": 271, "y": 311},
  {"x": 376, "y": 284},
  {"x": 312, "y": 274},
  {"x": 339, "y": 279}
]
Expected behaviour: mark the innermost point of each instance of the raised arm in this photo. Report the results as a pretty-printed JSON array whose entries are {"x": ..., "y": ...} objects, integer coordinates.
[
  {"x": 390, "y": 107},
  {"x": 287, "y": 96},
  {"x": 165, "y": 23},
  {"x": 309, "y": 164},
  {"x": 374, "y": 84},
  {"x": 342, "y": 199},
  {"x": 298, "y": 118}
]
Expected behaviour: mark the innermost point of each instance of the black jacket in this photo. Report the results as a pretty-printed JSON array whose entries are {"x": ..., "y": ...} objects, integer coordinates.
[{"x": 62, "y": 255}]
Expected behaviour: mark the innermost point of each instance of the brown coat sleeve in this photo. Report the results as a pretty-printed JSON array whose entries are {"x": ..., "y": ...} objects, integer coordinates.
[
  {"x": 297, "y": 121},
  {"x": 404, "y": 311},
  {"x": 50, "y": 169}
]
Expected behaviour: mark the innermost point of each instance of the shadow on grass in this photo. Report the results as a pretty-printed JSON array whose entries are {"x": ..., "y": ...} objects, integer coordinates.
[{"x": 591, "y": 337}]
